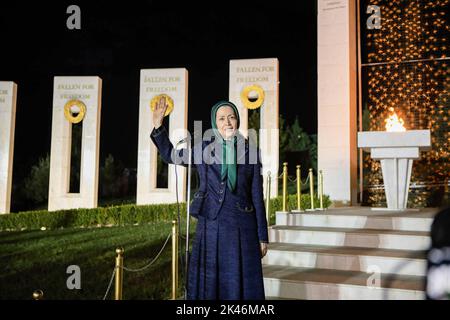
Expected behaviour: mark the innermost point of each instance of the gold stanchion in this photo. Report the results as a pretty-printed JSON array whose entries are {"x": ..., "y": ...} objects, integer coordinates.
[
  {"x": 174, "y": 259},
  {"x": 299, "y": 188},
  {"x": 119, "y": 274},
  {"x": 285, "y": 177},
  {"x": 311, "y": 188},
  {"x": 268, "y": 199},
  {"x": 320, "y": 189},
  {"x": 38, "y": 295}
]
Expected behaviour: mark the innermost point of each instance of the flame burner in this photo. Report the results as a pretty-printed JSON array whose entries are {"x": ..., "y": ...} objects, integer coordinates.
[
  {"x": 394, "y": 123},
  {"x": 396, "y": 152}
]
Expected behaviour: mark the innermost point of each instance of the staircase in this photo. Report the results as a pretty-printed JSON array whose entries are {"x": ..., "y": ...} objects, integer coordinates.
[{"x": 348, "y": 253}]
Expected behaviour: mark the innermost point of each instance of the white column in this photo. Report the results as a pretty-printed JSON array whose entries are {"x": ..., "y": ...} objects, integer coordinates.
[
  {"x": 337, "y": 92},
  {"x": 8, "y": 98},
  {"x": 174, "y": 83},
  {"x": 263, "y": 73},
  {"x": 88, "y": 91}
]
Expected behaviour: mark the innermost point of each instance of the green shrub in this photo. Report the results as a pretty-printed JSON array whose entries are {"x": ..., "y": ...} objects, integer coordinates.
[
  {"x": 121, "y": 215},
  {"x": 276, "y": 204}
]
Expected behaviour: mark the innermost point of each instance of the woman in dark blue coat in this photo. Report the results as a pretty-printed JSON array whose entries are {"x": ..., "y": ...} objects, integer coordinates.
[{"x": 231, "y": 236}]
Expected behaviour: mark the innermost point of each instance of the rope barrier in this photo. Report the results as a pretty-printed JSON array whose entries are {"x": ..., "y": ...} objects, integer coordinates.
[
  {"x": 110, "y": 283},
  {"x": 306, "y": 181},
  {"x": 295, "y": 179},
  {"x": 138, "y": 269},
  {"x": 148, "y": 265}
]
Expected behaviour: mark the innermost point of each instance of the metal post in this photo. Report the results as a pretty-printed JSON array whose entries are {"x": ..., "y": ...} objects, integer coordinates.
[
  {"x": 285, "y": 176},
  {"x": 311, "y": 187},
  {"x": 299, "y": 188},
  {"x": 268, "y": 199},
  {"x": 119, "y": 274},
  {"x": 188, "y": 215},
  {"x": 38, "y": 295},
  {"x": 321, "y": 189},
  {"x": 174, "y": 259}
]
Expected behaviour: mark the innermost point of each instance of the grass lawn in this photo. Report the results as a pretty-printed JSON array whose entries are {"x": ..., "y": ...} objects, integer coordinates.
[{"x": 32, "y": 260}]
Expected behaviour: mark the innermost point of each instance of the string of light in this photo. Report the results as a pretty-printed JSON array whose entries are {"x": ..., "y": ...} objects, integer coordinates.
[{"x": 406, "y": 76}]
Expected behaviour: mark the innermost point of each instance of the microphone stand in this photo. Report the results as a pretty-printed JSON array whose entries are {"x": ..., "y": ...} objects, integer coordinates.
[
  {"x": 187, "y": 219},
  {"x": 188, "y": 143}
]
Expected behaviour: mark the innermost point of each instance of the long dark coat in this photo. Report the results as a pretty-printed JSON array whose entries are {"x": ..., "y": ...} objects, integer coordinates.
[{"x": 225, "y": 262}]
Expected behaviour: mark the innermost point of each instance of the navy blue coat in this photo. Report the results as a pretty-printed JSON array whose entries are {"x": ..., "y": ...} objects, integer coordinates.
[{"x": 225, "y": 262}]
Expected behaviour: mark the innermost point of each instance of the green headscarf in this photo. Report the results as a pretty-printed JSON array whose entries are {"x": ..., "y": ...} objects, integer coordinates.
[{"x": 229, "y": 169}]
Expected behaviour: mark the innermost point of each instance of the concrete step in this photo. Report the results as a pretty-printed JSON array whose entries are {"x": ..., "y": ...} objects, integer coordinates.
[
  {"x": 360, "y": 218},
  {"x": 353, "y": 221},
  {"x": 385, "y": 261},
  {"x": 341, "y": 237},
  {"x": 305, "y": 283}
]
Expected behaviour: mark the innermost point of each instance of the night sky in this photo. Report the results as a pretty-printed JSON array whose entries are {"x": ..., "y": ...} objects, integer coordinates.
[{"x": 117, "y": 39}]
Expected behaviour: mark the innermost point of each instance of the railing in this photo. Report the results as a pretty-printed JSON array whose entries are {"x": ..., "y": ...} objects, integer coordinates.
[{"x": 285, "y": 178}]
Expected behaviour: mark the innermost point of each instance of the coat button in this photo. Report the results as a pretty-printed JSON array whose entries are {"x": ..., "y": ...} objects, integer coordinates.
[
  {"x": 220, "y": 200},
  {"x": 221, "y": 191},
  {"x": 222, "y": 183}
]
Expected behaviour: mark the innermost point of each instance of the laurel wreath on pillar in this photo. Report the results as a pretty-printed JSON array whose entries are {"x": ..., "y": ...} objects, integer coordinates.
[
  {"x": 156, "y": 99},
  {"x": 252, "y": 104},
  {"x": 68, "y": 112}
]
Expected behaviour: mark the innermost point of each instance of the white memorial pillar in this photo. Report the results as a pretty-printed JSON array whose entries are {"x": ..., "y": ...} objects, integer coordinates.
[
  {"x": 8, "y": 98},
  {"x": 75, "y": 99},
  {"x": 254, "y": 84},
  {"x": 337, "y": 98},
  {"x": 174, "y": 84}
]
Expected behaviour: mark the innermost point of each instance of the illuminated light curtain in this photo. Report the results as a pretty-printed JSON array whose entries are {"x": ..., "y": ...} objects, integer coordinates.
[{"x": 405, "y": 65}]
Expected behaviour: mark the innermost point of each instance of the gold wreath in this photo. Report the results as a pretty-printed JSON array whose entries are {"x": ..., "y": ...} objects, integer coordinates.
[
  {"x": 252, "y": 104},
  {"x": 68, "y": 113},
  {"x": 156, "y": 99}
]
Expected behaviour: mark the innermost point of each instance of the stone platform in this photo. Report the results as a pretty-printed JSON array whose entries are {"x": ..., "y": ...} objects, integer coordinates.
[{"x": 340, "y": 253}]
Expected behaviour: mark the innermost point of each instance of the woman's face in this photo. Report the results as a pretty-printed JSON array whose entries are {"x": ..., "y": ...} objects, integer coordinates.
[{"x": 226, "y": 121}]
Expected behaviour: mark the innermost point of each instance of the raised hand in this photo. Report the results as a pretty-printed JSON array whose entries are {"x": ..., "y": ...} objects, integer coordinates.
[{"x": 158, "y": 113}]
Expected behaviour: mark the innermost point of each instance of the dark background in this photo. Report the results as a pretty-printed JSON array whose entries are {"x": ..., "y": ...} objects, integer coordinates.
[{"x": 117, "y": 39}]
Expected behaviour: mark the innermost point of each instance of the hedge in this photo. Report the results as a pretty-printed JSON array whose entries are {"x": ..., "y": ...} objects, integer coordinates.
[{"x": 121, "y": 215}]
